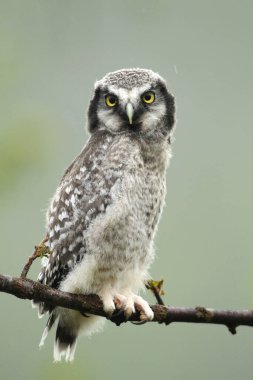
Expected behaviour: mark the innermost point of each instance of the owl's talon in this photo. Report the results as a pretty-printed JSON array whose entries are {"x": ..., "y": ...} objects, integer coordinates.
[
  {"x": 146, "y": 313},
  {"x": 118, "y": 317},
  {"x": 118, "y": 314},
  {"x": 119, "y": 301},
  {"x": 108, "y": 304},
  {"x": 125, "y": 303},
  {"x": 131, "y": 303},
  {"x": 129, "y": 309}
]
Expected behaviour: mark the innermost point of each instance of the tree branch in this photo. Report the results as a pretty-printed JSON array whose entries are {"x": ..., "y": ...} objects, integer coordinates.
[{"x": 91, "y": 304}]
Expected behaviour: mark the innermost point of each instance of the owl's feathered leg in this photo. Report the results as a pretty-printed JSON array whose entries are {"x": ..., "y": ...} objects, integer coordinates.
[{"x": 107, "y": 298}]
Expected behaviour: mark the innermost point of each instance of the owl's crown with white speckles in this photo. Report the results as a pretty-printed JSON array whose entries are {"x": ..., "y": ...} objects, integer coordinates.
[{"x": 129, "y": 78}]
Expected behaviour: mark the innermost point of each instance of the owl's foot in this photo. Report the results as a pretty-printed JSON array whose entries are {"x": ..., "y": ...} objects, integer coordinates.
[
  {"x": 131, "y": 303},
  {"x": 108, "y": 304},
  {"x": 146, "y": 313},
  {"x": 124, "y": 303}
]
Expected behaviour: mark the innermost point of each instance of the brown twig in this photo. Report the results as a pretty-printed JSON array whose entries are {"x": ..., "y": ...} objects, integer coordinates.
[
  {"x": 39, "y": 251},
  {"x": 91, "y": 304},
  {"x": 156, "y": 289}
]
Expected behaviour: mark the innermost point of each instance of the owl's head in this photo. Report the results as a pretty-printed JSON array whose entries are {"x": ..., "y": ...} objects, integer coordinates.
[{"x": 132, "y": 101}]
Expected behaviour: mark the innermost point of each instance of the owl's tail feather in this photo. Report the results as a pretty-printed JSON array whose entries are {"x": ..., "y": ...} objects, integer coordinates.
[
  {"x": 65, "y": 338},
  {"x": 48, "y": 327},
  {"x": 41, "y": 307},
  {"x": 71, "y": 324},
  {"x": 65, "y": 342}
]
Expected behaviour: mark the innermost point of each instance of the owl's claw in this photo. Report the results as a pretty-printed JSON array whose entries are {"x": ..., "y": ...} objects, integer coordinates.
[
  {"x": 146, "y": 313},
  {"x": 125, "y": 303},
  {"x": 120, "y": 301},
  {"x": 108, "y": 304},
  {"x": 131, "y": 303}
]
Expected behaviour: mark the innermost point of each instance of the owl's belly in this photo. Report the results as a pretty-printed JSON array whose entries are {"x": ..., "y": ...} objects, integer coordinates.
[
  {"x": 123, "y": 236},
  {"x": 119, "y": 242}
]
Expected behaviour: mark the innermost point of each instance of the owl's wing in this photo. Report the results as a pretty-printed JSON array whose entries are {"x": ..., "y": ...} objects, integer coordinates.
[{"x": 83, "y": 194}]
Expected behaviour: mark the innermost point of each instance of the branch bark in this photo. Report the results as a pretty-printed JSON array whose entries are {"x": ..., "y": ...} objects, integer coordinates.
[{"x": 91, "y": 304}]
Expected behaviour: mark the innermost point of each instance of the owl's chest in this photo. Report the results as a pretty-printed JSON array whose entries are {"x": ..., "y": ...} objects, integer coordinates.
[{"x": 148, "y": 198}]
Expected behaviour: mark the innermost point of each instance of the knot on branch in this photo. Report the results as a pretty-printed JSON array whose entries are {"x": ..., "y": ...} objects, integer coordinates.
[{"x": 204, "y": 314}]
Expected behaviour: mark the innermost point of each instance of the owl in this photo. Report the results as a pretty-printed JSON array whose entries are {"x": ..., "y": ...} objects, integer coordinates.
[{"x": 103, "y": 217}]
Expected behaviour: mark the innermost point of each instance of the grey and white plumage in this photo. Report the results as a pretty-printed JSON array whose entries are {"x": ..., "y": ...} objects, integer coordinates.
[{"x": 102, "y": 220}]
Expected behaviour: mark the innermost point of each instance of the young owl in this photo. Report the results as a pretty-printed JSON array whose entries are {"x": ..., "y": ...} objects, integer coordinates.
[{"x": 104, "y": 214}]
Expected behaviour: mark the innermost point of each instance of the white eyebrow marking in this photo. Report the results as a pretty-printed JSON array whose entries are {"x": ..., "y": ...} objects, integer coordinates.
[{"x": 132, "y": 95}]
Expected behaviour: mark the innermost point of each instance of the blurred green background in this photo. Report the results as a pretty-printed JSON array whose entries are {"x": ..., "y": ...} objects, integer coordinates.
[{"x": 51, "y": 52}]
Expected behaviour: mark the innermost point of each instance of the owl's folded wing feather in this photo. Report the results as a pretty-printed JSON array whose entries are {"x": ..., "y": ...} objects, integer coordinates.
[{"x": 85, "y": 192}]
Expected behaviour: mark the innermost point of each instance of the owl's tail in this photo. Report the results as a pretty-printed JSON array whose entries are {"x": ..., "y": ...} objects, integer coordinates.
[
  {"x": 71, "y": 324},
  {"x": 65, "y": 342}
]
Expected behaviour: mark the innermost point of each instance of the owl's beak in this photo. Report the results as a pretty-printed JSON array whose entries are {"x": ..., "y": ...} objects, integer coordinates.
[{"x": 130, "y": 112}]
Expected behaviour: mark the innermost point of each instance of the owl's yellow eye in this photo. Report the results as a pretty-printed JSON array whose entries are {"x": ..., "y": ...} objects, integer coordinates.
[
  {"x": 111, "y": 100},
  {"x": 148, "y": 97}
]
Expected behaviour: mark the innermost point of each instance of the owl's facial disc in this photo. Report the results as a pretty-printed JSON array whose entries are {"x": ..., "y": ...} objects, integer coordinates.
[{"x": 139, "y": 109}]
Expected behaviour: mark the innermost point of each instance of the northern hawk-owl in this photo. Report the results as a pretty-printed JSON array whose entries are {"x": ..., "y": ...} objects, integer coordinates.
[{"x": 103, "y": 217}]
